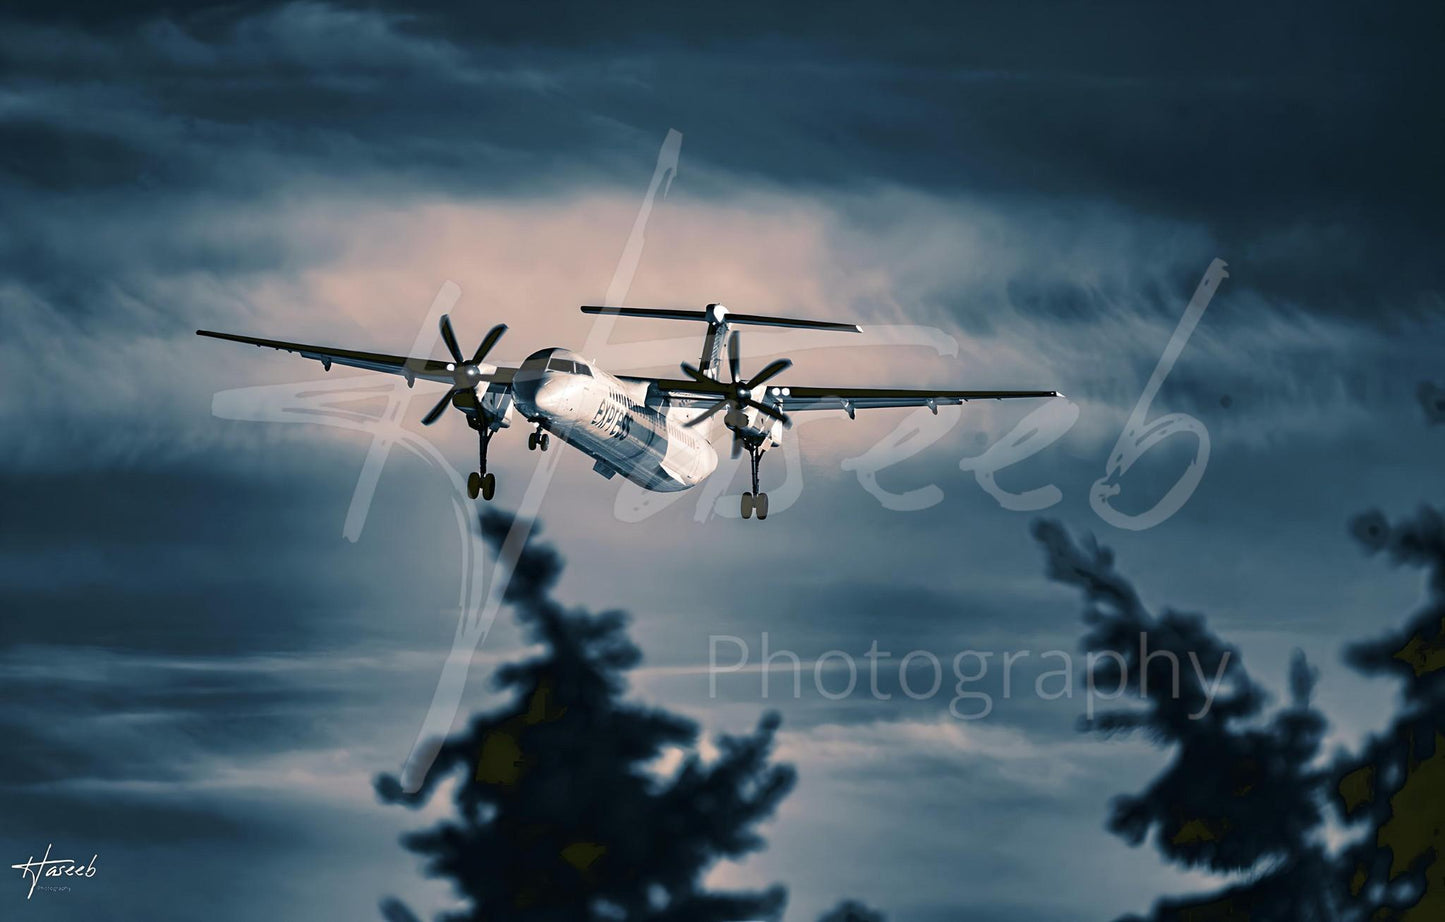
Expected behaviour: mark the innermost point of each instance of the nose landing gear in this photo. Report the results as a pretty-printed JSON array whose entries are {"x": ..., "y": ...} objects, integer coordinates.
[
  {"x": 755, "y": 501},
  {"x": 539, "y": 439}
]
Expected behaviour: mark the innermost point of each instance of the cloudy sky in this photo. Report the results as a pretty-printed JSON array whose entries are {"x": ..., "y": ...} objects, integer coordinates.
[{"x": 201, "y": 676}]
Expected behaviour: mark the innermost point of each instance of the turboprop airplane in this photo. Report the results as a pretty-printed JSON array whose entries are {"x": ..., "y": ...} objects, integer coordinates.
[{"x": 656, "y": 432}]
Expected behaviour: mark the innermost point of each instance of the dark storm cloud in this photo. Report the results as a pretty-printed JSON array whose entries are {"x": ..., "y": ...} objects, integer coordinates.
[
  {"x": 240, "y": 102},
  {"x": 189, "y": 685},
  {"x": 128, "y": 718},
  {"x": 178, "y": 561},
  {"x": 1305, "y": 143},
  {"x": 181, "y": 615},
  {"x": 1230, "y": 110},
  {"x": 148, "y": 158},
  {"x": 149, "y": 155}
]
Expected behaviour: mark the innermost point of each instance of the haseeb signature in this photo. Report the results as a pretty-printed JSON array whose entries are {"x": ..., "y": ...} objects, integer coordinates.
[{"x": 53, "y": 867}]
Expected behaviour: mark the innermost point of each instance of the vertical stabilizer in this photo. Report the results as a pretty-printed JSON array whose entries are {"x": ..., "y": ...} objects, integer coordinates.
[{"x": 712, "y": 342}]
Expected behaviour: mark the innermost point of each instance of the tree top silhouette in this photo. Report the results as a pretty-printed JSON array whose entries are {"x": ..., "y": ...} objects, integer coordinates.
[{"x": 563, "y": 811}]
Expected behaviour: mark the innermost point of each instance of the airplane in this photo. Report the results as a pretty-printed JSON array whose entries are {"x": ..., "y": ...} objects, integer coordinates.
[{"x": 656, "y": 432}]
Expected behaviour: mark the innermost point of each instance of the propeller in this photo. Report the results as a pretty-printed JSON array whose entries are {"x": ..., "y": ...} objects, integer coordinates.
[
  {"x": 738, "y": 393},
  {"x": 465, "y": 374}
]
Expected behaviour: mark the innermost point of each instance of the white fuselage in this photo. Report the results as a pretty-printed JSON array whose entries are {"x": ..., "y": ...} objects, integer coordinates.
[{"x": 622, "y": 425}]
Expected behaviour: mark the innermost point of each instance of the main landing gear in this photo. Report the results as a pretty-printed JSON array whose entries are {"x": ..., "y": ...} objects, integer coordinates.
[
  {"x": 755, "y": 501},
  {"x": 538, "y": 439},
  {"x": 481, "y": 482}
]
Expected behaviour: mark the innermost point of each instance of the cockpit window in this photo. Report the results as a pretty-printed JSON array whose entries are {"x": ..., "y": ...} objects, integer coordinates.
[{"x": 568, "y": 366}]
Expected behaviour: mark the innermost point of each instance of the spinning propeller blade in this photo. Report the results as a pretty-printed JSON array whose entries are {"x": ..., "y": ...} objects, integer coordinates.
[
  {"x": 440, "y": 408},
  {"x": 738, "y": 393},
  {"x": 710, "y": 411},
  {"x": 494, "y": 334},
  {"x": 772, "y": 370},
  {"x": 465, "y": 374},
  {"x": 696, "y": 375},
  {"x": 450, "y": 339}
]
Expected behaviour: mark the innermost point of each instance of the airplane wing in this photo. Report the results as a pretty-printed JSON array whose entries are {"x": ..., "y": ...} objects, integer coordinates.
[
  {"x": 869, "y": 398},
  {"x": 406, "y": 366},
  {"x": 848, "y": 399}
]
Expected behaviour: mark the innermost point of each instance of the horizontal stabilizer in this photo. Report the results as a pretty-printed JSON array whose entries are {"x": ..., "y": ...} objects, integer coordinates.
[{"x": 716, "y": 313}]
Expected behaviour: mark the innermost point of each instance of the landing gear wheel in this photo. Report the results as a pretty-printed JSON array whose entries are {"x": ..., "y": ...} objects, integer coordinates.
[
  {"x": 545, "y": 441},
  {"x": 757, "y": 500},
  {"x": 479, "y": 481},
  {"x": 532, "y": 442}
]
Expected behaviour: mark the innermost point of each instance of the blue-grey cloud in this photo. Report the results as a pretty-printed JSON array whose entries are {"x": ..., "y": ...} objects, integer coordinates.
[{"x": 1044, "y": 182}]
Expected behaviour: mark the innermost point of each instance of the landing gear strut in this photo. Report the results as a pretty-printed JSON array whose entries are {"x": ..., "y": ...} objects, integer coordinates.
[
  {"x": 481, "y": 482},
  {"x": 755, "y": 501}
]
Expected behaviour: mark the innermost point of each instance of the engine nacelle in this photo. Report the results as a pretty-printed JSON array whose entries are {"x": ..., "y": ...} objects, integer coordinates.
[
  {"x": 493, "y": 406},
  {"x": 497, "y": 403},
  {"x": 755, "y": 427}
]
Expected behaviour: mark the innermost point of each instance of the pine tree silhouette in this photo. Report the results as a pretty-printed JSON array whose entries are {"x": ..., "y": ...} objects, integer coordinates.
[
  {"x": 1395, "y": 789},
  {"x": 852, "y": 911},
  {"x": 562, "y": 816},
  {"x": 1240, "y": 794}
]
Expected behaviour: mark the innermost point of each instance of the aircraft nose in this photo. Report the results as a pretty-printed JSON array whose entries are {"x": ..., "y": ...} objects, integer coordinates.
[
  {"x": 536, "y": 393},
  {"x": 525, "y": 385}
]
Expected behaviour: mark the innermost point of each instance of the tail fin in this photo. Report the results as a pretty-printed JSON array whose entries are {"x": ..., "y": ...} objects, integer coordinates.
[
  {"x": 716, "y": 313},
  {"x": 718, "y": 319}
]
